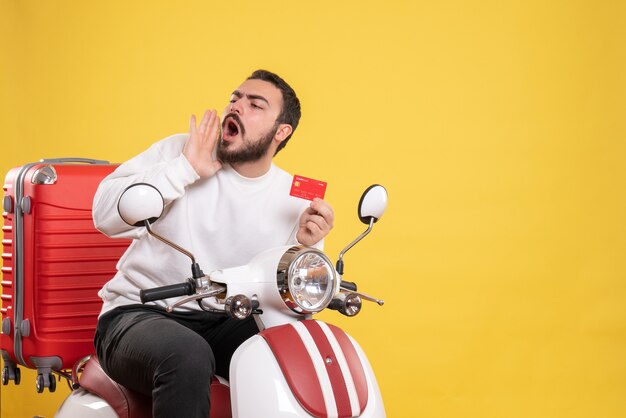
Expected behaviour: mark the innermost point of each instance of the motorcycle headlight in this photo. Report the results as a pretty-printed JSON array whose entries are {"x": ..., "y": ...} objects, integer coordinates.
[{"x": 306, "y": 279}]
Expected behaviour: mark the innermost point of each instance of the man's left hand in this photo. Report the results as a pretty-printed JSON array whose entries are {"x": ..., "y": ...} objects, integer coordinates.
[{"x": 315, "y": 222}]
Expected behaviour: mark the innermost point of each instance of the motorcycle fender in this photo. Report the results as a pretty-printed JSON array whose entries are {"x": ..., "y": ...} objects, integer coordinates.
[{"x": 259, "y": 388}]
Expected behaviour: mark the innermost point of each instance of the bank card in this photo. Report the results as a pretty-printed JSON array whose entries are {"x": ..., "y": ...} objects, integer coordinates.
[{"x": 306, "y": 188}]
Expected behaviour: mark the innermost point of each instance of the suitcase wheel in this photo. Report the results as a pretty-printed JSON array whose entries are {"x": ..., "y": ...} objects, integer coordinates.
[
  {"x": 46, "y": 381},
  {"x": 40, "y": 384},
  {"x": 11, "y": 374}
]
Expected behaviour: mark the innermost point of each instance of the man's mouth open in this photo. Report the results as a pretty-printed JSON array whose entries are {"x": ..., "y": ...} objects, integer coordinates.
[{"x": 231, "y": 128}]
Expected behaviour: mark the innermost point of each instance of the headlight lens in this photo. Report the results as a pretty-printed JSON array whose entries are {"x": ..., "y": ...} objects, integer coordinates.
[{"x": 306, "y": 280}]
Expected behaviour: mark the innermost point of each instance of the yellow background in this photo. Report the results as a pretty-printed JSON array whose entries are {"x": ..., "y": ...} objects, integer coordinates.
[{"x": 498, "y": 128}]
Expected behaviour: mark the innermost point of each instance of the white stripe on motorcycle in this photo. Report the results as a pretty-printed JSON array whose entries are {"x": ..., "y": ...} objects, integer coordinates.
[
  {"x": 320, "y": 369},
  {"x": 345, "y": 369}
]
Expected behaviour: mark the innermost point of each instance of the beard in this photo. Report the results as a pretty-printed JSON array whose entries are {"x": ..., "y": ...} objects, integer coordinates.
[{"x": 250, "y": 150}]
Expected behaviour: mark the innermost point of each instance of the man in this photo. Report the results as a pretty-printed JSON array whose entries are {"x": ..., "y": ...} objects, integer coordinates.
[{"x": 225, "y": 202}]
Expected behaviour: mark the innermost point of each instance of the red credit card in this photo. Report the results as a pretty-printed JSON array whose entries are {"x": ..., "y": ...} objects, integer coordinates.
[{"x": 306, "y": 188}]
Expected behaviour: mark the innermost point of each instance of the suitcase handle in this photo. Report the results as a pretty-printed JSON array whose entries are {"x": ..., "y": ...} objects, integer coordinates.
[{"x": 72, "y": 160}]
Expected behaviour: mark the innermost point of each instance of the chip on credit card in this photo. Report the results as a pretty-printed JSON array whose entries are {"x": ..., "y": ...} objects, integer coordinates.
[{"x": 306, "y": 188}]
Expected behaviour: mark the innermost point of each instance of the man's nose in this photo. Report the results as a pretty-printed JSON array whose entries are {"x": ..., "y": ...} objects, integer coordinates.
[{"x": 235, "y": 107}]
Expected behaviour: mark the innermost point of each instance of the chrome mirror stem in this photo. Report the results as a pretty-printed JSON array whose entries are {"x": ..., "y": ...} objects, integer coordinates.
[
  {"x": 352, "y": 244},
  {"x": 196, "y": 272},
  {"x": 170, "y": 243}
]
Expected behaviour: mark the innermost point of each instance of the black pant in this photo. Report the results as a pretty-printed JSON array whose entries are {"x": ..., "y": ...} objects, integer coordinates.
[{"x": 169, "y": 356}]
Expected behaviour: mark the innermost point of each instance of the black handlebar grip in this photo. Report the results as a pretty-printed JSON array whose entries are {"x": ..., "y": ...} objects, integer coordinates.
[
  {"x": 348, "y": 285},
  {"x": 165, "y": 292},
  {"x": 336, "y": 304}
]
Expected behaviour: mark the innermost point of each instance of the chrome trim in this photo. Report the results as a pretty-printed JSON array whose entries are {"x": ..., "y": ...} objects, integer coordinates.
[
  {"x": 213, "y": 290},
  {"x": 282, "y": 277},
  {"x": 238, "y": 307},
  {"x": 44, "y": 175},
  {"x": 351, "y": 304},
  {"x": 353, "y": 243},
  {"x": 203, "y": 283},
  {"x": 178, "y": 248},
  {"x": 78, "y": 367},
  {"x": 365, "y": 296}
]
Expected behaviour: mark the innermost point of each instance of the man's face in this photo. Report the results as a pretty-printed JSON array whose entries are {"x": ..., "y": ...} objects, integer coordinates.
[{"x": 249, "y": 122}]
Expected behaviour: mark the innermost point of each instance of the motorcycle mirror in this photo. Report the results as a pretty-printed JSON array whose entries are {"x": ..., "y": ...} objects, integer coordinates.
[
  {"x": 373, "y": 203},
  {"x": 139, "y": 203},
  {"x": 371, "y": 208}
]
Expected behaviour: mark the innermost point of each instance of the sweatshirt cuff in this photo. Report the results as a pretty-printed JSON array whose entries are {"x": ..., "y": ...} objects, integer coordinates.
[
  {"x": 188, "y": 173},
  {"x": 178, "y": 175}
]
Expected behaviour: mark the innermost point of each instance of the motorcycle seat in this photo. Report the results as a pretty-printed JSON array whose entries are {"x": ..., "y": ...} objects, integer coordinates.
[{"x": 131, "y": 404}]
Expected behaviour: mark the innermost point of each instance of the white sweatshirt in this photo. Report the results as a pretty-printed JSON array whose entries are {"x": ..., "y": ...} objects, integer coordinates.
[{"x": 223, "y": 221}]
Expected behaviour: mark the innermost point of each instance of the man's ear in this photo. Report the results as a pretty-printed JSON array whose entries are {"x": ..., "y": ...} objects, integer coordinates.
[{"x": 283, "y": 131}]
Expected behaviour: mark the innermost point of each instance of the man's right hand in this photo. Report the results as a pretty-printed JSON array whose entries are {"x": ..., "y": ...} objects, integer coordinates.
[{"x": 201, "y": 143}]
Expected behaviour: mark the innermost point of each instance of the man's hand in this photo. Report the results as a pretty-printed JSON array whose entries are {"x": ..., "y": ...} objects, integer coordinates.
[
  {"x": 201, "y": 143},
  {"x": 315, "y": 222}
]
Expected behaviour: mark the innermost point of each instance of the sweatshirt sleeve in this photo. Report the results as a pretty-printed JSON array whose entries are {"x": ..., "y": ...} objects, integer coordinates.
[{"x": 163, "y": 165}]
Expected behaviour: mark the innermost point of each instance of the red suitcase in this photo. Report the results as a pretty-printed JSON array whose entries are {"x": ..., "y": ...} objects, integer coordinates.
[{"x": 54, "y": 262}]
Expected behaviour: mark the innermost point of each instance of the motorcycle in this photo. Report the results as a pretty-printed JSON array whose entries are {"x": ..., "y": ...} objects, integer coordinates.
[{"x": 295, "y": 367}]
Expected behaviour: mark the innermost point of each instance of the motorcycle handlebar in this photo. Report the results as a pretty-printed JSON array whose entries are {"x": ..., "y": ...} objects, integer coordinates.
[
  {"x": 165, "y": 292},
  {"x": 348, "y": 285}
]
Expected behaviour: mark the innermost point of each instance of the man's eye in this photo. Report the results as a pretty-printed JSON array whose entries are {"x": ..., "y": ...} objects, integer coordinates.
[
  {"x": 233, "y": 100},
  {"x": 256, "y": 106}
]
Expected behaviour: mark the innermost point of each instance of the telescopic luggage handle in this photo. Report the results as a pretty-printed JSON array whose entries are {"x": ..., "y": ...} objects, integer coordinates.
[{"x": 72, "y": 160}]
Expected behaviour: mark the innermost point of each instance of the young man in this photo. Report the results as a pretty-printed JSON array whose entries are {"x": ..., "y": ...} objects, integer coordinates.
[{"x": 225, "y": 202}]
